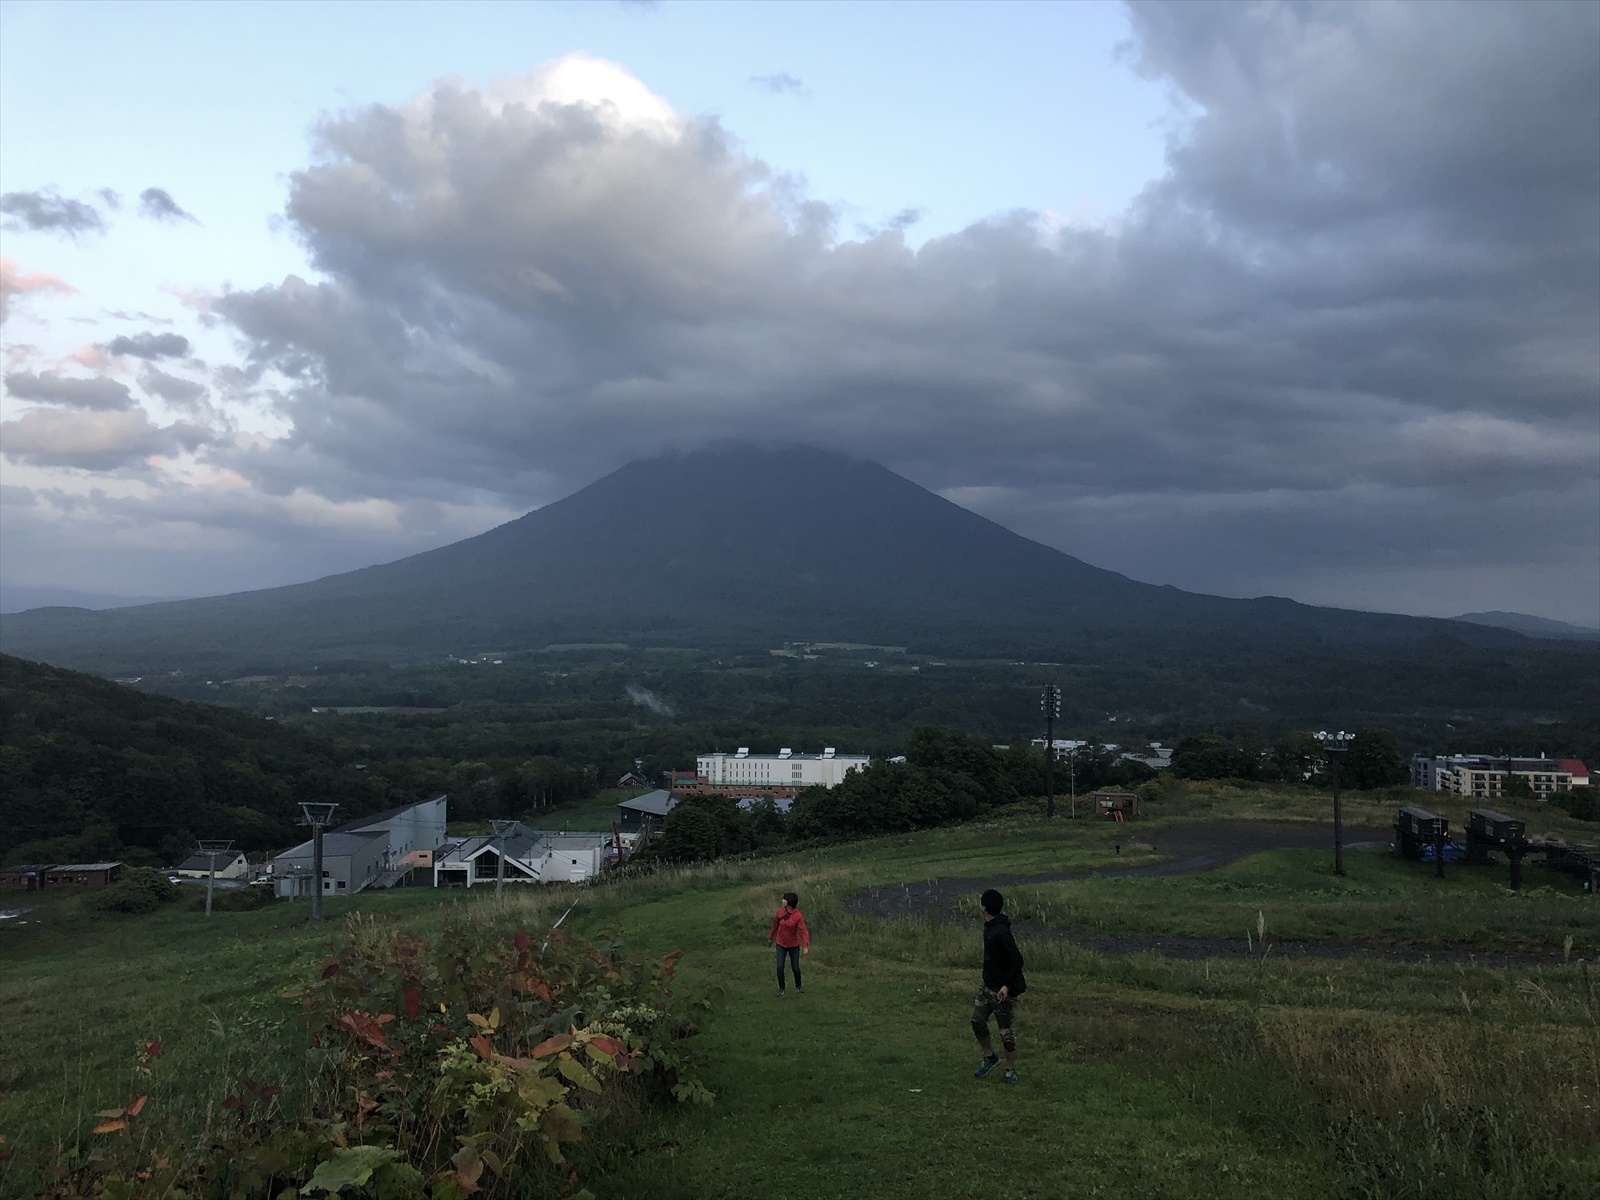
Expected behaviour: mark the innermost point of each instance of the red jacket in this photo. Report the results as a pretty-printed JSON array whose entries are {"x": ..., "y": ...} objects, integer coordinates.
[{"x": 789, "y": 929}]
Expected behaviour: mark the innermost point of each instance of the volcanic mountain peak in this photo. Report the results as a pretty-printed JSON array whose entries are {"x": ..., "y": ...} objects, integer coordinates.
[{"x": 736, "y": 545}]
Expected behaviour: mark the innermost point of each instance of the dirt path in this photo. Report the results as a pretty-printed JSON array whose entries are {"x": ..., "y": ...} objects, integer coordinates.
[{"x": 1189, "y": 847}]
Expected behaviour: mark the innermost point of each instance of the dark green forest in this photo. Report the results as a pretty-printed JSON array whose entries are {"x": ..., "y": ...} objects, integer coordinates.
[{"x": 92, "y": 769}]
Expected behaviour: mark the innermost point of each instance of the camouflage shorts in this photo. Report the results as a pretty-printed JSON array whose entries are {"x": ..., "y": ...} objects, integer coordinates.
[{"x": 987, "y": 1003}]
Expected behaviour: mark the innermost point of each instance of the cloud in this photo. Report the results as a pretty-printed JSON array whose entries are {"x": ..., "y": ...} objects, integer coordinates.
[
  {"x": 14, "y": 282},
  {"x": 98, "y": 393},
  {"x": 181, "y": 393},
  {"x": 780, "y": 83},
  {"x": 149, "y": 345},
  {"x": 94, "y": 441},
  {"x": 1348, "y": 336},
  {"x": 158, "y": 204},
  {"x": 48, "y": 212}
]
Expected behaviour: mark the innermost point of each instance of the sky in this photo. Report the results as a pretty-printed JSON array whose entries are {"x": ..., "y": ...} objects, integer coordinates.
[{"x": 1248, "y": 298}]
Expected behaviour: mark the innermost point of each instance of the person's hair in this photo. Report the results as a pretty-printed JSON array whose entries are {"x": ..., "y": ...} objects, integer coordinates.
[
  {"x": 993, "y": 902},
  {"x": 791, "y": 900}
]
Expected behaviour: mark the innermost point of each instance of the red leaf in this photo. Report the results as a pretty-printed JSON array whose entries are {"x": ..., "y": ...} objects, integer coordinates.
[
  {"x": 110, "y": 1126},
  {"x": 137, "y": 1106},
  {"x": 330, "y": 970},
  {"x": 152, "y": 1049},
  {"x": 609, "y": 1045},
  {"x": 522, "y": 941},
  {"x": 232, "y": 1102},
  {"x": 413, "y": 1002},
  {"x": 269, "y": 1094},
  {"x": 483, "y": 1046},
  {"x": 550, "y": 1045}
]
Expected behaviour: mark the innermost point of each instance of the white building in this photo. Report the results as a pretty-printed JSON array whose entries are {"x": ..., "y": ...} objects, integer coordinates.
[
  {"x": 375, "y": 851},
  {"x": 531, "y": 856},
  {"x": 783, "y": 769},
  {"x": 1483, "y": 776}
]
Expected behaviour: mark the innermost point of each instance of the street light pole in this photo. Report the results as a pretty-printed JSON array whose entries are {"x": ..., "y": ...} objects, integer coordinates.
[
  {"x": 1335, "y": 744},
  {"x": 1050, "y": 701},
  {"x": 317, "y": 816}
]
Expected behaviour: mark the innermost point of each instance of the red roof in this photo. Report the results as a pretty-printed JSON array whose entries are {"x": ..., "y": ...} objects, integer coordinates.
[{"x": 1575, "y": 768}]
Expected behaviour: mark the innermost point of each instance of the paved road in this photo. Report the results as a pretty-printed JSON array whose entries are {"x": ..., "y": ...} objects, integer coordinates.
[{"x": 1189, "y": 847}]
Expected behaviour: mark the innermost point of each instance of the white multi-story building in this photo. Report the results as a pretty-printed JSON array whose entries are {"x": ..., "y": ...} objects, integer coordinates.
[
  {"x": 783, "y": 769},
  {"x": 1483, "y": 776}
]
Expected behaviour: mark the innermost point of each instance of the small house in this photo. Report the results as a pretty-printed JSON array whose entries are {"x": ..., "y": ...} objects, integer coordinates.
[
  {"x": 633, "y": 779},
  {"x": 647, "y": 813},
  {"x": 230, "y": 865}
]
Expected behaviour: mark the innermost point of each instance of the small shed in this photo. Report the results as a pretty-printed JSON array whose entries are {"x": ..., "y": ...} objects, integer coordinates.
[
  {"x": 1119, "y": 806},
  {"x": 647, "y": 812},
  {"x": 94, "y": 875},
  {"x": 1417, "y": 829}
]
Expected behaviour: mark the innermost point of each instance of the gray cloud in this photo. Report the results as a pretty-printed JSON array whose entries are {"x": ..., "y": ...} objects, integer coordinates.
[
  {"x": 99, "y": 393},
  {"x": 94, "y": 441},
  {"x": 47, "y": 211},
  {"x": 181, "y": 393},
  {"x": 159, "y": 205},
  {"x": 780, "y": 83},
  {"x": 1347, "y": 338},
  {"x": 149, "y": 345}
]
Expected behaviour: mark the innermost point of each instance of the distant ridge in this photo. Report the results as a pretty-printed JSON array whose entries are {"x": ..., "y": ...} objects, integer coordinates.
[
  {"x": 1541, "y": 627},
  {"x": 739, "y": 546},
  {"x": 20, "y": 599}
]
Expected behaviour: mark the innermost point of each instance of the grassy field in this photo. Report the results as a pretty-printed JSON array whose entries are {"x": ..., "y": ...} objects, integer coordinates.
[
  {"x": 1141, "y": 1076},
  {"x": 1380, "y": 901}
]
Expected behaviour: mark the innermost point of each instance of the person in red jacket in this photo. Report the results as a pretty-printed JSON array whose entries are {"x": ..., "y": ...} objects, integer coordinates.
[{"x": 790, "y": 935}]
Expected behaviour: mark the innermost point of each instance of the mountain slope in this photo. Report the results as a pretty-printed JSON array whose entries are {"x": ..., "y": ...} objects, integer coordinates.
[
  {"x": 738, "y": 546},
  {"x": 1541, "y": 627}
]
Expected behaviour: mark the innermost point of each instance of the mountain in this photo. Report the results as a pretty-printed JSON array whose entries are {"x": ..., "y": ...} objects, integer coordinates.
[
  {"x": 1539, "y": 627},
  {"x": 20, "y": 599},
  {"x": 741, "y": 547}
]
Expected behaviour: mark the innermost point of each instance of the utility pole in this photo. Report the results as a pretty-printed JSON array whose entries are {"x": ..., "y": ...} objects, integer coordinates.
[
  {"x": 1050, "y": 702},
  {"x": 1335, "y": 745},
  {"x": 500, "y": 828},
  {"x": 211, "y": 847},
  {"x": 317, "y": 816},
  {"x": 1072, "y": 776}
]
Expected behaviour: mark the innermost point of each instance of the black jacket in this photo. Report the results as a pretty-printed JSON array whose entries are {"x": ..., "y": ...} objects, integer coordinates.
[{"x": 1002, "y": 961}]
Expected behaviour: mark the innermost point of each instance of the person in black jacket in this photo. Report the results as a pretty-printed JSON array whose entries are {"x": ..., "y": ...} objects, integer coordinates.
[{"x": 1002, "y": 984}]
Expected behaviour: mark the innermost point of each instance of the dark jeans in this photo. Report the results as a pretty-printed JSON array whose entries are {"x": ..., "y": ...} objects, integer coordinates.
[{"x": 791, "y": 954}]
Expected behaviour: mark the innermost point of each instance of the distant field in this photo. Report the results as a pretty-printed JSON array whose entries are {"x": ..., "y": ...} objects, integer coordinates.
[{"x": 1141, "y": 1076}]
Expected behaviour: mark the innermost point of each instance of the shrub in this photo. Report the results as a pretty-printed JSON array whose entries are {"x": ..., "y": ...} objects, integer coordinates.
[
  {"x": 140, "y": 890},
  {"x": 239, "y": 899}
]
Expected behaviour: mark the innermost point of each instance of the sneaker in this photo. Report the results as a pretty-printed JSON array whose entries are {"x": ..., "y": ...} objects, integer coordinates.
[
  {"x": 988, "y": 1064},
  {"x": 1010, "y": 1077},
  {"x": 781, "y": 993},
  {"x": 798, "y": 990}
]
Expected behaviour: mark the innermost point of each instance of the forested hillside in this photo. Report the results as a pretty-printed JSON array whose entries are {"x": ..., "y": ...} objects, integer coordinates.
[{"x": 90, "y": 769}]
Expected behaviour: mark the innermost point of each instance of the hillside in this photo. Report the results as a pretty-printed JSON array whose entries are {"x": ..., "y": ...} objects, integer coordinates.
[
  {"x": 89, "y": 768},
  {"x": 741, "y": 547}
]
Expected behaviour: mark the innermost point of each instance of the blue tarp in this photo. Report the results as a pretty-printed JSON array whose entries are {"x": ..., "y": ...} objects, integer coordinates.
[{"x": 1454, "y": 852}]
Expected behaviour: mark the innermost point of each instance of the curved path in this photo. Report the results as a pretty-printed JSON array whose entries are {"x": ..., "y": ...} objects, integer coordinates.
[{"x": 1188, "y": 847}]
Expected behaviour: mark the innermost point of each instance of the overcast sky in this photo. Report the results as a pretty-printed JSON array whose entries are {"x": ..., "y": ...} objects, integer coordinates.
[{"x": 1247, "y": 298}]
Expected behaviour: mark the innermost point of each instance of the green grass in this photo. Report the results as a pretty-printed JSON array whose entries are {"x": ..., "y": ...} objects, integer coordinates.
[
  {"x": 1141, "y": 1076},
  {"x": 1380, "y": 900}
]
